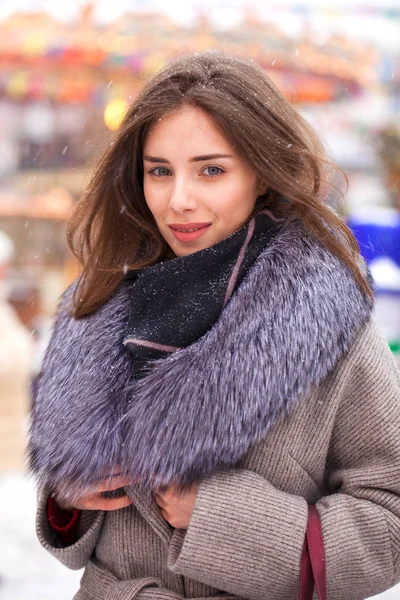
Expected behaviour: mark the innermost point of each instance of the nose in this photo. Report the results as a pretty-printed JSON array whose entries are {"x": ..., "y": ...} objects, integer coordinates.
[{"x": 182, "y": 198}]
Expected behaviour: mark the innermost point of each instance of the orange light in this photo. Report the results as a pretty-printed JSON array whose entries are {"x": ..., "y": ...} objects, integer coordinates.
[{"x": 114, "y": 113}]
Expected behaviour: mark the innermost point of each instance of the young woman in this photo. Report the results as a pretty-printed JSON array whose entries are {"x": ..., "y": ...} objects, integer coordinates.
[{"x": 216, "y": 406}]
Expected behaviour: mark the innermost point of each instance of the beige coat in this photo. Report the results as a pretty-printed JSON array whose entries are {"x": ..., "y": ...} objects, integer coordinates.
[{"x": 340, "y": 449}]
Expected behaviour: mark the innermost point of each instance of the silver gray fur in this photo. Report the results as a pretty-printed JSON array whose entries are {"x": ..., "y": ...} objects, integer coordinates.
[{"x": 293, "y": 317}]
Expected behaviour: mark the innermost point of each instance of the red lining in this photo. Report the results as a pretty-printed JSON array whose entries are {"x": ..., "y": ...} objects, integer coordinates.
[
  {"x": 64, "y": 522},
  {"x": 313, "y": 564}
]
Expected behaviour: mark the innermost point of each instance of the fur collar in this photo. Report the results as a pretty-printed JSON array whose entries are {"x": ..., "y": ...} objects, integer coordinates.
[{"x": 289, "y": 322}]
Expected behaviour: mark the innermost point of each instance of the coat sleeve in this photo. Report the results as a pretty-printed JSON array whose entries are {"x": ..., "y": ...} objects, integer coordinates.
[
  {"x": 246, "y": 536},
  {"x": 74, "y": 556}
]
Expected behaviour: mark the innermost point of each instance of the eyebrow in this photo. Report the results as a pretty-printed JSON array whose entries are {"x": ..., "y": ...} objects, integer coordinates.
[{"x": 156, "y": 159}]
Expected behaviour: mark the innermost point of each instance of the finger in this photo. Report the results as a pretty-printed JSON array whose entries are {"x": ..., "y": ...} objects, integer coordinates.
[
  {"x": 101, "y": 503},
  {"x": 166, "y": 493},
  {"x": 113, "y": 483},
  {"x": 164, "y": 514},
  {"x": 159, "y": 501}
]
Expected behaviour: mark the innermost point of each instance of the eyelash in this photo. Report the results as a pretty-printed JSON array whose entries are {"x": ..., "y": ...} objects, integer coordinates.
[{"x": 153, "y": 171}]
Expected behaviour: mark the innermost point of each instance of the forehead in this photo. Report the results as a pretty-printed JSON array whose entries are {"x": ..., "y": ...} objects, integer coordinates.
[{"x": 187, "y": 126}]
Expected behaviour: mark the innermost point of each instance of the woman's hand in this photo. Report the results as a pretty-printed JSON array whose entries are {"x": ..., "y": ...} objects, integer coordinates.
[
  {"x": 177, "y": 508},
  {"x": 94, "y": 500}
]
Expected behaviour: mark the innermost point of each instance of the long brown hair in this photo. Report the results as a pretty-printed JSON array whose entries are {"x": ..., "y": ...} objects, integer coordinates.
[{"x": 112, "y": 230}]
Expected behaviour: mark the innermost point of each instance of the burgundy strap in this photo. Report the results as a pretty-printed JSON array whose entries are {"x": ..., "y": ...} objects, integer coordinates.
[{"x": 313, "y": 566}]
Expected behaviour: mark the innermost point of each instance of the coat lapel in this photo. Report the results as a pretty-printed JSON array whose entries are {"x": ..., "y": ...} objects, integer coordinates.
[{"x": 150, "y": 512}]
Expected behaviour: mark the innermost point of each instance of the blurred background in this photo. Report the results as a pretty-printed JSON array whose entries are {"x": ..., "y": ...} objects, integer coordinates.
[{"x": 68, "y": 72}]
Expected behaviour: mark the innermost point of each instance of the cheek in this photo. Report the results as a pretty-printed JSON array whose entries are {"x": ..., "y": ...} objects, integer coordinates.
[
  {"x": 237, "y": 205},
  {"x": 153, "y": 199},
  {"x": 243, "y": 189}
]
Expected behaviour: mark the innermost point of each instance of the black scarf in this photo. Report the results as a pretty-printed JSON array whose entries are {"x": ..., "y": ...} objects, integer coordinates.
[{"x": 175, "y": 302}]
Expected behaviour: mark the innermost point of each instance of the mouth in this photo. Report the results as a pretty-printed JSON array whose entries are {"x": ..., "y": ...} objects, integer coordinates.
[{"x": 188, "y": 232}]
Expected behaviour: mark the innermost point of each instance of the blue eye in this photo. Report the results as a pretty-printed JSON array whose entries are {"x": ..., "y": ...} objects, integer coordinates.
[
  {"x": 213, "y": 171},
  {"x": 162, "y": 171}
]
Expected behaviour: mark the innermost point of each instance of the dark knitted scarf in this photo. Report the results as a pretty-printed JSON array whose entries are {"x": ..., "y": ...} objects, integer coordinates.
[{"x": 175, "y": 302}]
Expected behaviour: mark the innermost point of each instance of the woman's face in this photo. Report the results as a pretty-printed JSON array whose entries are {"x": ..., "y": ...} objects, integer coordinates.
[{"x": 194, "y": 180}]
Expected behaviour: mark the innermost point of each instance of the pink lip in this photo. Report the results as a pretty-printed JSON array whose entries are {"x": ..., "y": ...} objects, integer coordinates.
[
  {"x": 188, "y": 225},
  {"x": 189, "y": 236}
]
